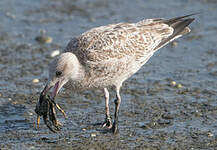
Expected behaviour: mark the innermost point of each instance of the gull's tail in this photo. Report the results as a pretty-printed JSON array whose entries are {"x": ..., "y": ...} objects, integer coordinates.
[{"x": 180, "y": 26}]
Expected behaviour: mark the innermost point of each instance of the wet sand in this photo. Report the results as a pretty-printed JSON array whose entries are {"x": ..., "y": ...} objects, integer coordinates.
[{"x": 171, "y": 103}]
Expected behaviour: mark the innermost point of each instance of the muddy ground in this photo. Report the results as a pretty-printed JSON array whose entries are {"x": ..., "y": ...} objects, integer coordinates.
[{"x": 171, "y": 103}]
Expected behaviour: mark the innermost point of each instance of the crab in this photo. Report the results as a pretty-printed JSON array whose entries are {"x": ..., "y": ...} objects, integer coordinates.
[{"x": 46, "y": 108}]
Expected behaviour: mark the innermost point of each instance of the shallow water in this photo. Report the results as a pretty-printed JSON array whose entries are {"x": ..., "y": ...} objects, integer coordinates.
[{"x": 153, "y": 114}]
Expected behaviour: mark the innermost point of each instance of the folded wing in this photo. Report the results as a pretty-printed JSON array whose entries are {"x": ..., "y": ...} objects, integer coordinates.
[{"x": 127, "y": 40}]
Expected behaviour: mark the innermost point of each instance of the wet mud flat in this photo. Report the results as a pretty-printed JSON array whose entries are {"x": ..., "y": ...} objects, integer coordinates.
[
  {"x": 150, "y": 123},
  {"x": 171, "y": 103}
]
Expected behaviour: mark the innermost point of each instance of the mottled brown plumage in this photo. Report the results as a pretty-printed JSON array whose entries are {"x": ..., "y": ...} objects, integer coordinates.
[{"x": 108, "y": 55}]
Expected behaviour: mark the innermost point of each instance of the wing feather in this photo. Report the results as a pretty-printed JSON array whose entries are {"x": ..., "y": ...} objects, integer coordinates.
[
  {"x": 116, "y": 41},
  {"x": 127, "y": 40}
]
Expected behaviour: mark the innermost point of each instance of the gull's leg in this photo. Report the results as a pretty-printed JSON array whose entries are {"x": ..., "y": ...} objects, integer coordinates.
[
  {"x": 117, "y": 106},
  {"x": 108, "y": 121}
]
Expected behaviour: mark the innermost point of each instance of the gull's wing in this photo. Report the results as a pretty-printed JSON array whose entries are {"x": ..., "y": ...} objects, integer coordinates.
[{"x": 116, "y": 41}]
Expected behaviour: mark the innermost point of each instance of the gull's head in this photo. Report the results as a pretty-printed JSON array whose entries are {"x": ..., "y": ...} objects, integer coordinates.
[{"x": 63, "y": 68}]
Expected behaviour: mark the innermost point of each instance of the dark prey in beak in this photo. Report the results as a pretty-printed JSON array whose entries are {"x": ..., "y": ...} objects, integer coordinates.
[{"x": 45, "y": 107}]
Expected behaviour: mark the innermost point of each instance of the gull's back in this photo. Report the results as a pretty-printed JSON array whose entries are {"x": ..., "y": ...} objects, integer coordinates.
[{"x": 111, "y": 54}]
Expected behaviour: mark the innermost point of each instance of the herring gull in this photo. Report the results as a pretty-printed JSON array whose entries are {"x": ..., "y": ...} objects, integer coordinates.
[{"x": 106, "y": 56}]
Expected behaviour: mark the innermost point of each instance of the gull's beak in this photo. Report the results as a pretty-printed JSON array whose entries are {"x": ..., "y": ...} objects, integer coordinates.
[
  {"x": 49, "y": 85},
  {"x": 55, "y": 89}
]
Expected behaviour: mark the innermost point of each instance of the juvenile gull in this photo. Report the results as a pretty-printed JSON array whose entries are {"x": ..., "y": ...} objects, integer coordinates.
[{"x": 106, "y": 56}]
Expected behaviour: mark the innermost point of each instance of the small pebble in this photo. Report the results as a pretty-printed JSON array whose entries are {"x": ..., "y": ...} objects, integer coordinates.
[
  {"x": 10, "y": 15},
  {"x": 210, "y": 134},
  {"x": 174, "y": 44},
  {"x": 32, "y": 147},
  {"x": 93, "y": 135},
  {"x": 55, "y": 53},
  {"x": 35, "y": 80},
  {"x": 44, "y": 39},
  {"x": 9, "y": 99},
  {"x": 0, "y": 94},
  {"x": 42, "y": 31},
  {"x": 179, "y": 86},
  {"x": 173, "y": 83},
  {"x": 14, "y": 102},
  {"x": 84, "y": 129}
]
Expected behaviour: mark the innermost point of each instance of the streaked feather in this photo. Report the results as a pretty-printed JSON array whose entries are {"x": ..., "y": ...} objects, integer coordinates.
[{"x": 119, "y": 50}]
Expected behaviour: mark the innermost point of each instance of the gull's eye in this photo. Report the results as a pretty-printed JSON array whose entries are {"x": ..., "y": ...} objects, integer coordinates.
[{"x": 58, "y": 73}]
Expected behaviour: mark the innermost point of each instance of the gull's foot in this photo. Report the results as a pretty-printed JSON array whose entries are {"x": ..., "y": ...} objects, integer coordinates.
[{"x": 107, "y": 123}]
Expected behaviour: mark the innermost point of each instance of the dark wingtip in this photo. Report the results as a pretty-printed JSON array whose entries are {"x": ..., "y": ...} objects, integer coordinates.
[
  {"x": 171, "y": 21},
  {"x": 192, "y": 14},
  {"x": 179, "y": 24}
]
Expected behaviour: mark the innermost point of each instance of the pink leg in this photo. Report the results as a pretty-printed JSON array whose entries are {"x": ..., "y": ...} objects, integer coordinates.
[{"x": 108, "y": 121}]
